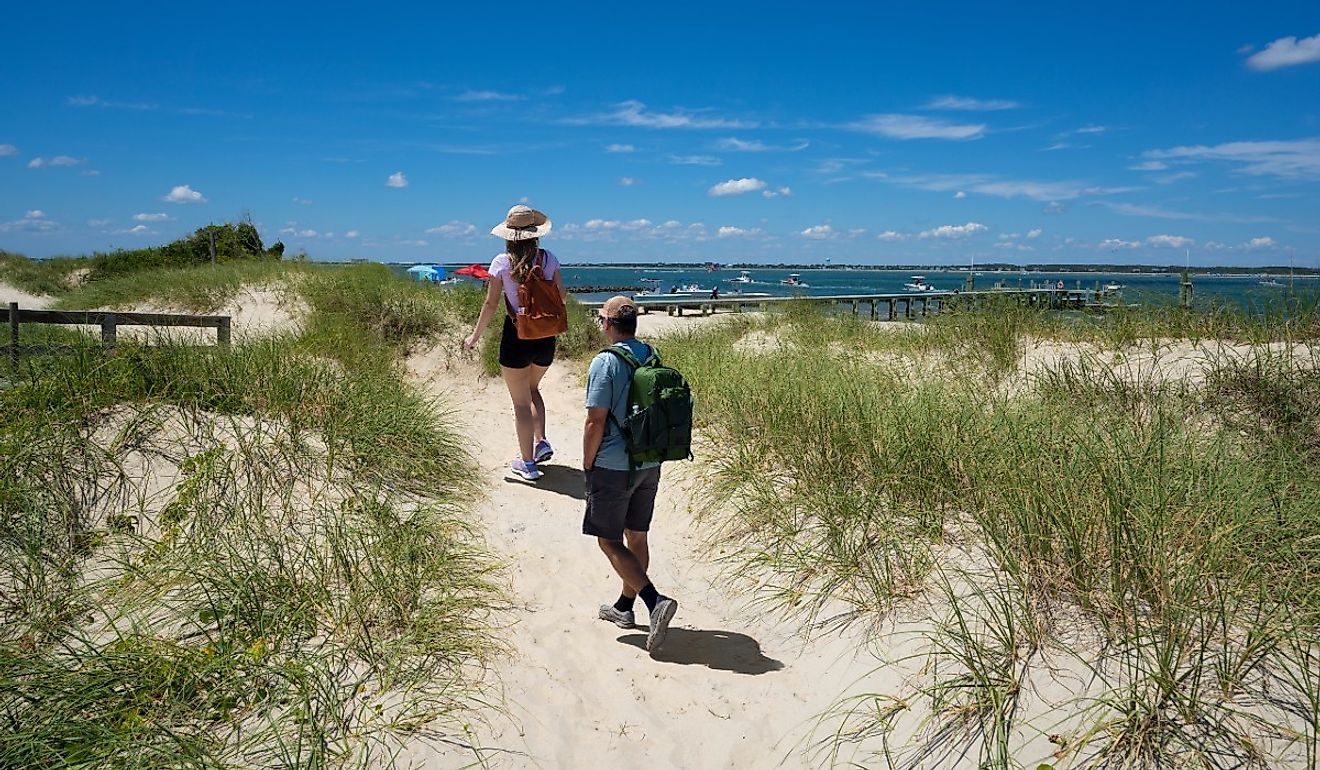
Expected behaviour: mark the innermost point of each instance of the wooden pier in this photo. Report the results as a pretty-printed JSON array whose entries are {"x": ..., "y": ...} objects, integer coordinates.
[{"x": 912, "y": 304}]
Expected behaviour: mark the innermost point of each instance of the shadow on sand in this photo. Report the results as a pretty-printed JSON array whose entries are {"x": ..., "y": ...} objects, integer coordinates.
[
  {"x": 560, "y": 479},
  {"x": 721, "y": 650}
]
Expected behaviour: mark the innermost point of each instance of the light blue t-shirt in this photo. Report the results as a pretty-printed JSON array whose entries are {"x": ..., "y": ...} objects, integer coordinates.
[{"x": 608, "y": 381}]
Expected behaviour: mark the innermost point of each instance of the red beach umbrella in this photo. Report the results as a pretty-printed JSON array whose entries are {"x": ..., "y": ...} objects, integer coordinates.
[{"x": 476, "y": 271}]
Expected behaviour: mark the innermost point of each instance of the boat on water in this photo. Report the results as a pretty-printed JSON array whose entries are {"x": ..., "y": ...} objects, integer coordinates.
[
  {"x": 743, "y": 277},
  {"x": 918, "y": 283},
  {"x": 1114, "y": 288},
  {"x": 1272, "y": 283},
  {"x": 794, "y": 280}
]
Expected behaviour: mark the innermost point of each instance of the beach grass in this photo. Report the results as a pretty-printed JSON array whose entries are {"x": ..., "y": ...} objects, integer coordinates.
[
  {"x": 247, "y": 556},
  {"x": 1156, "y": 534}
]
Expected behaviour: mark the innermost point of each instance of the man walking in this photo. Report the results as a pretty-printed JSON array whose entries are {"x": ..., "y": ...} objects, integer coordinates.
[{"x": 620, "y": 499}]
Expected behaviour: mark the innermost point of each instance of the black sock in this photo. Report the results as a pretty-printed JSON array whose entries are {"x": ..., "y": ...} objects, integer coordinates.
[
  {"x": 625, "y": 603},
  {"x": 650, "y": 596}
]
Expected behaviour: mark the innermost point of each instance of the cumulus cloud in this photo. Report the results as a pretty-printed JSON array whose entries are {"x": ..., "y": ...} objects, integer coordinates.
[
  {"x": 184, "y": 194},
  {"x": 619, "y": 148},
  {"x": 1263, "y": 242},
  {"x": 960, "y": 195},
  {"x": 1114, "y": 244},
  {"x": 34, "y": 221},
  {"x": 58, "y": 160},
  {"x": 397, "y": 179},
  {"x": 733, "y": 232},
  {"x": 954, "y": 231},
  {"x": 1170, "y": 241},
  {"x": 736, "y": 187},
  {"x": 8, "y": 149},
  {"x": 1296, "y": 159},
  {"x": 454, "y": 229},
  {"x": 1286, "y": 52},
  {"x": 974, "y": 105},
  {"x": 891, "y": 235},
  {"x": 352, "y": 234},
  {"x": 784, "y": 191},
  {"x": 896, "y": 126},
  {"x": 818, "y": 232},
  {"x": 1034, "y": 233},
  {"x": 151, "y": 217},
  {"x": 627, "y": 181},
  {"x": 301, "y": 201}
]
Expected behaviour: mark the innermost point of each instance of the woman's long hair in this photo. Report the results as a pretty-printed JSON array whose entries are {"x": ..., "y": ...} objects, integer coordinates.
[{"x": 522, "y": 256}]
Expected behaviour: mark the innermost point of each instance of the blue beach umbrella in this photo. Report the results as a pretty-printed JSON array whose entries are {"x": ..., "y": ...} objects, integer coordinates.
[{"x": 423, "y": 272}]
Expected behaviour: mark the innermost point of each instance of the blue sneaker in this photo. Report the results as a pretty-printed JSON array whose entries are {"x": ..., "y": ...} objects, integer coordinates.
[
  {"x": 527, "y": 471},
  {"x": 543, "y": 451}
]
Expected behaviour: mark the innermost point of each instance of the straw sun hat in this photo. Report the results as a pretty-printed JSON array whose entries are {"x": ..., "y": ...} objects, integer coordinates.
[{"x": 522, "y": 223}]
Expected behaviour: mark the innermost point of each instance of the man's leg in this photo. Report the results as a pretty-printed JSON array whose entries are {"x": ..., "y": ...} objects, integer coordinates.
[
  {"x": 626, "y": 564},
  {"x": 636, "y": 542}
]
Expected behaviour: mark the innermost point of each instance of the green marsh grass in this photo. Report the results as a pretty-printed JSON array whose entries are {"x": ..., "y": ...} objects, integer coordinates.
[{"x": 1157, "y": 534}]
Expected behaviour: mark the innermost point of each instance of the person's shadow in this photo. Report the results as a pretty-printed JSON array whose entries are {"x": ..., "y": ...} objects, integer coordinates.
[
  {"x": 560, "y": 479},
  {"x": 722, "y": 650}
]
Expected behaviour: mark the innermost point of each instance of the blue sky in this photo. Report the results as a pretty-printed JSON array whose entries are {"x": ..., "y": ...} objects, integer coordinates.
[{"x": 913, "y": 132}]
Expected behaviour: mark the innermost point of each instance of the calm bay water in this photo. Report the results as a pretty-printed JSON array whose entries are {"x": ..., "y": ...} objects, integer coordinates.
[{"x": 1162, "y": 287}]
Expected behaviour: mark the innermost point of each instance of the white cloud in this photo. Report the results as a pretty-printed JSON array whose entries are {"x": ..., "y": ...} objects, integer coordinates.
[
  {"x": 8, "y": 149},
  {"x": 34, "y": 221},
  {"x": 960, "y": 195},
  {"x": 733, "y": 232},
  {"x": 1114, "y": 244},
  {"x": 975, "y": 105},
  {"x": 633, "y": 113},
  {"x": 98, "y": 222},
  {"x": 1034, "y": 233},
  {"x": 1091, "y": 130},
  {"x": 301, "y": 201},
  {"x": 1296, "y": 159},
  {"x": 695, "y": 160},
  {"x": 487, "y": 96},
  {"x": 184, "y": 194},
  {"x": 734, "y": 144},
  {"x": 627, "y": 181},
  {"x": 891, "y": 235},
  {"x": 151, "y": 217},
  {"x": 397, "y": 179},
  {"x": 58, "y": 160},
  {"x": 352, "y": 234},
  {"x": 1004, "y": 188},
  {"x": 138, "y": 230},
  {"x": 1150, "y": 165},
  {"x": 454, "y": 229},
  {"x": 619, "y": 148},
  {"x": 1170, "y": 241},
  {"x": 954, "y": 231},
  {"x": 818, "y": 232},
  {"x": 897, "y": 126},
  {"x": 306, "y": 233},
  {"x": 1264, "y": 242},
  {"x": 784, "y": 191},
  {"x": 1053, "y": 207},
  {"x": 736, "y": 187},
  {"x": 1286, "y": 52},
  {"x": 1138, "y": 210},
  {"x": 1174, "y": 178}
]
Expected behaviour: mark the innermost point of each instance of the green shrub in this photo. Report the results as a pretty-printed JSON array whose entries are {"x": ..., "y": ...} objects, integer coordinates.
[{"x": 232, "y": 243}]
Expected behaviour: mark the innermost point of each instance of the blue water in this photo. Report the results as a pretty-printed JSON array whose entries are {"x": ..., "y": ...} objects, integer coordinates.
[{"x": 1140, "y": 287}]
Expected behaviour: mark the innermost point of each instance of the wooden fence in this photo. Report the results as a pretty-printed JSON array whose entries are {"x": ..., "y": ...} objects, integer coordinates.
[{"x": 107, "y": 320}]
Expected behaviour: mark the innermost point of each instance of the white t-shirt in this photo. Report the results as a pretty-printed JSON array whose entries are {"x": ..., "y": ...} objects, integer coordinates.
[{"x": 503, "y": 264}]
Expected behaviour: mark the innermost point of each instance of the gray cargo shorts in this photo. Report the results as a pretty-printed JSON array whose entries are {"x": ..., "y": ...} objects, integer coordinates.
[{"x": 614, "y": 505}]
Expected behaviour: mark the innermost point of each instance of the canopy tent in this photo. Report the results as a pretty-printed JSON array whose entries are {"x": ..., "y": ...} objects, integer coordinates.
[
  {"x": 476, "y": 271},
  {"x": 427, "y": 272}
]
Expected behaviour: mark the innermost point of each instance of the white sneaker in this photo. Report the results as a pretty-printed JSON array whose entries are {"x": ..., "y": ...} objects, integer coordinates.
[
  {"x": 660, "y": 617},
  {"x": 620, "y": 618}
]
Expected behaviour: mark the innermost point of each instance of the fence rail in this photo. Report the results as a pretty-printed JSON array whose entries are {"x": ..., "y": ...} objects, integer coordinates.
[{"x": 109, "y": 322}]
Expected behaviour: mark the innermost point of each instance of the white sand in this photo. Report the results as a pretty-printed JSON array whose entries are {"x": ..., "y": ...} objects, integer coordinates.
[
  {"x": 26, "y": 301},
  {"x": 730, "y": 688}
]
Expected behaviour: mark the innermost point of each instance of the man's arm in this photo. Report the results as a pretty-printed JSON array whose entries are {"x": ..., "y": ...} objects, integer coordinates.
[{"x": 592, "y": 434}]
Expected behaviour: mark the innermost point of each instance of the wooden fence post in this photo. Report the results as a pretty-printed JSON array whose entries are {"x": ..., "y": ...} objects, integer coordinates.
[
  {"x": 13, "y": 338},
  {"x": 109, "y": 329},
  {"x": 222, "y": 332}
]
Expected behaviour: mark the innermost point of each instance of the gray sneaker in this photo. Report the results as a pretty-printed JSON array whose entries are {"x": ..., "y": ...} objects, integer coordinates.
[
  {"x": 660, "y": 617},
  {"x": 620, "y": 618}
]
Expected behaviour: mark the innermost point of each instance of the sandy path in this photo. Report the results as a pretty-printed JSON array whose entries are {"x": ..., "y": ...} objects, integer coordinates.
[
  {"x": 729, "y": 689},
  {"x": 27, "y": 301}
]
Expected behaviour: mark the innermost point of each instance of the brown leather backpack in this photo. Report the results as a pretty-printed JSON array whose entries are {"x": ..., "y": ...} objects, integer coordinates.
[{"x": 541, "y": 310}]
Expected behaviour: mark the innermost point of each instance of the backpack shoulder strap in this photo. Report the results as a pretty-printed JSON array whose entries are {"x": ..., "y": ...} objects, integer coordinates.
[{"x": 625, "y": 354}]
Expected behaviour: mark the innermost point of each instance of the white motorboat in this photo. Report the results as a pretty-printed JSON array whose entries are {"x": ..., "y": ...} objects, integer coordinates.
[
  {"x": 743, "y": 277},
  {"x": 794, "y": 280},
  {"x": 918, "y": 283}
]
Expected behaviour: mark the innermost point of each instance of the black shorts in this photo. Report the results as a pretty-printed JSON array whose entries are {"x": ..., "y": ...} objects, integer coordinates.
[
  {"x": 614, "y": 505},
  {"x": 518, "y": 353}
]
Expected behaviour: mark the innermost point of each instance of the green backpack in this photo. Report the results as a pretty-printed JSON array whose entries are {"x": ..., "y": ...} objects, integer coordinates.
[{"x": 658, "y": 425}]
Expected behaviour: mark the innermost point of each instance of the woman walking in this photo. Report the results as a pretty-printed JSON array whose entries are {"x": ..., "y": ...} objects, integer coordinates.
[{"x": 529, "y": 278}]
